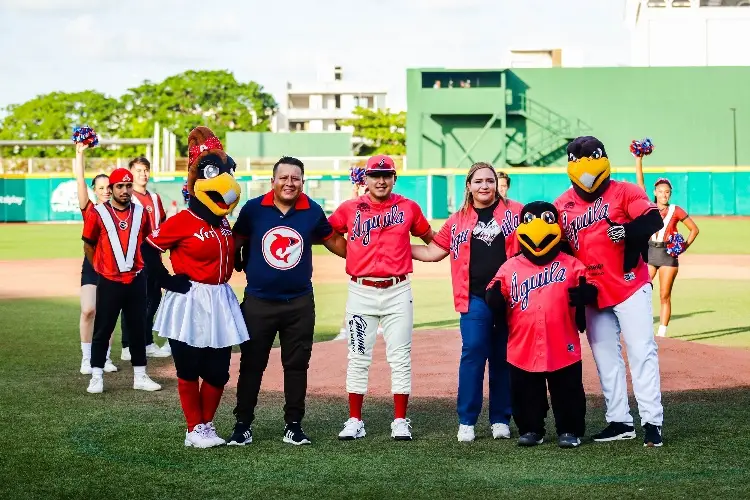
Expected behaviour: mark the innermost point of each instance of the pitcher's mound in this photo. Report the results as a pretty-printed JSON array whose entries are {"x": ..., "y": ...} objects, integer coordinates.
[{"x": 435, "y": 356}]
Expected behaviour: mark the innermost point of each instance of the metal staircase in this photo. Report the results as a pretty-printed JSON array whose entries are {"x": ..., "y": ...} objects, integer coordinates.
[{"x": 550, "y": 135}]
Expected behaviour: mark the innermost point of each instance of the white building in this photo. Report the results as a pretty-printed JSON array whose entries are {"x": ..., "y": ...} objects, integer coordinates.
[
  {"x": 543, "y": 58},
  {"x": 316, "y": 106},
  {"x": 689, "y": 32}
]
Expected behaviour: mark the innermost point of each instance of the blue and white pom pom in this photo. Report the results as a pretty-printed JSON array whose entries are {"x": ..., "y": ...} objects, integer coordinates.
[
  {"x": 642, "y": 148},
  {"x": 185, "y": 192},
  {"x": 85, "y": 135},
  {"x": 357, "y": 176},
  {"x": 675, "y": 245}
]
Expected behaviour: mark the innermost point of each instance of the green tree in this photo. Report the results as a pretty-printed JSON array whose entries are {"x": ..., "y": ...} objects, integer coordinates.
[
  {"x": 53, "y": 116},
  {"x": 381, "y": 131},
  {"x": 181, "y": 102}
]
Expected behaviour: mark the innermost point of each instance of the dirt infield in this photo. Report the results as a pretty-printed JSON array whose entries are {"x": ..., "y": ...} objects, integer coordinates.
[
  {"x": 435, "y": 357},
  {"x": 62, "y": 277}
]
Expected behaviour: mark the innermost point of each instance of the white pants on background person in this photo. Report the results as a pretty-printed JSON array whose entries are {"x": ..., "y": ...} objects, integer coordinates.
[
  {"x": 366, "y": 308},
  {"x": 632, "y": 317}
]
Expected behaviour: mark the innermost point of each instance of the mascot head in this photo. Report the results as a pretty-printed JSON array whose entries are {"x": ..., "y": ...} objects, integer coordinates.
[
  {"x": 211, "y": 173},
  {"x": 539, "y": 232},
  {"x": 588, "y": 166}
]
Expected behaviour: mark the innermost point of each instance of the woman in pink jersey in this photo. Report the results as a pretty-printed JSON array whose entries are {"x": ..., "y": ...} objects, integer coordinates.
[
  {"x": 658, "y": 258},
  {"x": 477, "y": 238},
  {"x": 89, "y": 277}
]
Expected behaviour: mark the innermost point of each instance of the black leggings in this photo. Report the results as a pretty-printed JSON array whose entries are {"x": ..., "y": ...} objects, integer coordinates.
[{"x": 212, "y": 365}]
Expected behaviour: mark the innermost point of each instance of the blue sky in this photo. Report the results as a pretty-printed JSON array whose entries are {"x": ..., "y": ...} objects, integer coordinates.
[{"x": 111, "y": 45}]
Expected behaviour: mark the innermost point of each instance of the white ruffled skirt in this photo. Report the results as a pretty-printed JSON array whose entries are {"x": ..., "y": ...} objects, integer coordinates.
[{"x": 206, "y": 316}]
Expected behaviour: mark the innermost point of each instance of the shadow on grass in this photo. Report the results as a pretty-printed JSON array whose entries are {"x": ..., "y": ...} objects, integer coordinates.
[
  {"x": 682, "y": 316},
  {"x": 712, "y": 334}
]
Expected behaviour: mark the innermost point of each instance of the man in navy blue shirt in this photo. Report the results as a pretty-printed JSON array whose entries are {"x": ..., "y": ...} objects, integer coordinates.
[{"x": 274, "y": 234}]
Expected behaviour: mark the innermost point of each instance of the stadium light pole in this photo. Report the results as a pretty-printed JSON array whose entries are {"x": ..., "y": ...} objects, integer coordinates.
[{"x": 734, "y": 133}]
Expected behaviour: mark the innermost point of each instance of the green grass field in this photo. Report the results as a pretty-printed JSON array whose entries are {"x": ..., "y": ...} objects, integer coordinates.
[
  {"x": 65, "y": 443},
  {"x": 718, "y": 235}
]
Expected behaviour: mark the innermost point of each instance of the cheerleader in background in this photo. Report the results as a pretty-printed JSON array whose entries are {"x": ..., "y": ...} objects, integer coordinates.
[{"x": 666, "y": 245}]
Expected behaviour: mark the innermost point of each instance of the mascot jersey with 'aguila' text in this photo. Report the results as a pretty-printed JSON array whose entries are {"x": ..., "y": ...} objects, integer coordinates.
[
  {"x": 585, "y": 227},
  {"x": 378, "y": 243},
  {"x": 203, "y": 253}
]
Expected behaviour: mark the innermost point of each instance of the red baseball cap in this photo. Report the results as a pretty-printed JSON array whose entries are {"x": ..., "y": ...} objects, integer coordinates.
[
  {"x": 380, "y": 164},
  {"x": 120, "y": 175}
]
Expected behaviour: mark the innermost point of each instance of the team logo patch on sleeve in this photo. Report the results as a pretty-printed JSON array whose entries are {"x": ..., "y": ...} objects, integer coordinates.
[{"x": 282, "y": 247}]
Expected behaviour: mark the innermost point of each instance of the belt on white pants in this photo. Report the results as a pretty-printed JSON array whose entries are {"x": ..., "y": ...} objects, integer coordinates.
[{"x": 380, "y": 282}]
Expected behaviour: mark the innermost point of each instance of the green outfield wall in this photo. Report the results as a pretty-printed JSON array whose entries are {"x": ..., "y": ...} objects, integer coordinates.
[
  {"x": 700, "y": 190},
  {"x": 527, "y": 116}
]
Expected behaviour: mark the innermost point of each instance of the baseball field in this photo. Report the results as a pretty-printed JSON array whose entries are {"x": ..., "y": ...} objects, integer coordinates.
[{"x": 61, "y": 442}]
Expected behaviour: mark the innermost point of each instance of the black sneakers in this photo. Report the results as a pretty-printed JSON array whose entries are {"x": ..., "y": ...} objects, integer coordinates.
[
  {"x": 615, "y": 431},
  {"x": 568, "y": 440},
  {"x": 293, "y": 434},
  {"x": 530, "y": 439},
  {"x": 242, "y": 435},
  {"x": 653, "y": 435}
]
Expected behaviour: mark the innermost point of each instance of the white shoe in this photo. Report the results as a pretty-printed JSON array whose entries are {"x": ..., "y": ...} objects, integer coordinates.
[
  {"x": 210, "y": 433},
  {"x": 125, "y": 356},
  {"x": 85, "y": 366},
  {"x": 465, "y": 433},
  {"x": 96, "y": 385},
  {"x": 353, "y": 429},
  {"x": 166, "y": 349},
  {"x": 153, "y": 351},
  {"x": 197, "y": 438},
  {"x": 109, "y": 366},
  {"x": 500, "y": 431},
  {"x": 144, "y": 383},
  {"x": 400, "y": 429}
]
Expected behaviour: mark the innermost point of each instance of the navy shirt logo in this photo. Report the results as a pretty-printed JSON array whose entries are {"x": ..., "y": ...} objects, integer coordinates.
[{"x": 282, "y": 247}]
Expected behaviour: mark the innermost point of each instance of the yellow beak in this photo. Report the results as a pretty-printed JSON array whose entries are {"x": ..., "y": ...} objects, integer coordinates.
[
  {"x": 538, "y": 237},
  {"x": 588, "y": 174},
  {"x": 220, "y": 194}
]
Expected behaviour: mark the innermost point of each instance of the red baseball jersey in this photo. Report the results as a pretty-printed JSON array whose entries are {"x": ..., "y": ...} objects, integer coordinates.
[
  {"x": 151, "y": 202},
  {"x": 84, "y": 210},
  {"x": 116, "y": 236},
  {"x": 378, "y": 243},
  {"x": 542, "y": 331},
  {"x": 671, "y": 215},
  {"x": 511, "y": 213},
  {"x": 584, "y": 226},
  {"x": 197, "y": 249}
]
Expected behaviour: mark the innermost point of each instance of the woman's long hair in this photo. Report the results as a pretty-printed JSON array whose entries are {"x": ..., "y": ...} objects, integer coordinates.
[{"x": 468, "y": 197}]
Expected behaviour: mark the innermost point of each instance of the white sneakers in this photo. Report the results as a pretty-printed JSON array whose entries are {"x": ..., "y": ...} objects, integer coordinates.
[
  {"x": 400, "y": 429},
  {"x": 96, "y": 385},
  {"x": 142, "y": 382},
  {"x": 203, "y": 436},
  {"x": 354, "y": 428},
  {"x": 152, "y": 351},
  {"x": 465, "y": 433},
  {"x": 500, "y": 431},
  {"x": 109, "y": 366}
]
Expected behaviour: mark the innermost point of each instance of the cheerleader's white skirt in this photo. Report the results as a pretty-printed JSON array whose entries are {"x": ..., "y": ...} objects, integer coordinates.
[{"x": 206, "y": 316}]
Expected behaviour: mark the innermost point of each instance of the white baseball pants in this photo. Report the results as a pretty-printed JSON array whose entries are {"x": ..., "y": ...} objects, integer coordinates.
[
  {"x": 632, "y": 317},
  {"x": 392, "y": 308}
]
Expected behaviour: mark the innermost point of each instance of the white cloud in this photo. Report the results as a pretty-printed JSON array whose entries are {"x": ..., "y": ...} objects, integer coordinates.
[{"x": 45, "y": 5}]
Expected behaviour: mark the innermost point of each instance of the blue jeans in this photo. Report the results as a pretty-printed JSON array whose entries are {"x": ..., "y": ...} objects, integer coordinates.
[{"x": 482, "y": 341}]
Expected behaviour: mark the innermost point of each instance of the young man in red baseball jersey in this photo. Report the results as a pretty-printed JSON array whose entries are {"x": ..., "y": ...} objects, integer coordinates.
[
  {"x": 112, "y": 234},
  {"x": 607, "y": 224},
  {"x": 533, "y": 290},
  {"x": 151, "y": 202},
  {"x": 379, "y": 226}
]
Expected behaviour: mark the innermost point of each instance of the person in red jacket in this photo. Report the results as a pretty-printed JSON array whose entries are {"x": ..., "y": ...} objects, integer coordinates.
[
  {"x": 200, "y": 315},
  {"x": 112, "y": 234}
]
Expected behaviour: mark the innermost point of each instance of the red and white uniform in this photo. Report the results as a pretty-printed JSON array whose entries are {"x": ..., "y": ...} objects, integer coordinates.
[
  {"x": 542, "y": 331},
  {"x": 378, "y": 257},
  {"x": 671, "y": 215},
  {"x": 117, "y": 236},
  {"x": 378, "y": 243},
  {"x": 585, "y": 228},
  {"x": 209, "y": 314},
  {"x": 455, "y": 237},
  {"x": 151, "y": 202}
]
